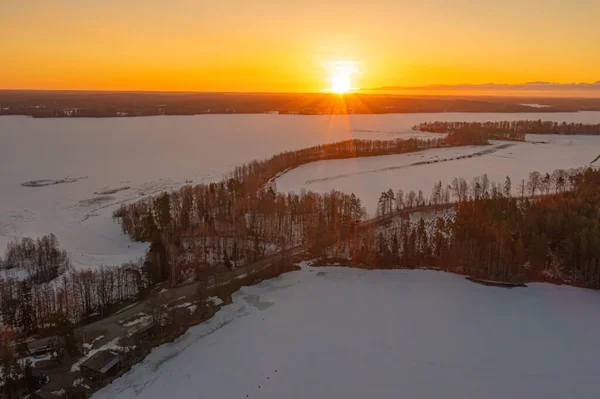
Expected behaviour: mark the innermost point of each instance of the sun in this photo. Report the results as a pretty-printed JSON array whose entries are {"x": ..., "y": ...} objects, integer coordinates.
[
  {"x": 341, "y": 76},
  {"x": 340, "y": 84}
]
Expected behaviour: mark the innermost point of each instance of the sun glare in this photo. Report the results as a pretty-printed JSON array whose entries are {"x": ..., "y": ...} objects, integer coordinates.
[
  {"x": 340, "y": 84},
  {"x": 341, "y": 76}
]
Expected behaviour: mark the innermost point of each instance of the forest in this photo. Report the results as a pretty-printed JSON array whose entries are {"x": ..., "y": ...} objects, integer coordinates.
[
  {"x": 77, "y": 295},
  {"x": 50, "y": 288},
  {"x": 510, "y": 130},
  {"x": 550, "y": 231}
]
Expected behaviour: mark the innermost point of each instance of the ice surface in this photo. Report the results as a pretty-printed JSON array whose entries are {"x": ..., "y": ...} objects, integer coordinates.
[
  {"x": 348, "y": 333},
  {"x": 124, "y": 159}
]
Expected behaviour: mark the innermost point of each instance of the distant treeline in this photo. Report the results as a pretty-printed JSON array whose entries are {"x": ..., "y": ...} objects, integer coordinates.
[
  {"x": 258, "y": 173},
  {"x": 52, "y": 104},
  {"x": 510, "y": 130}
]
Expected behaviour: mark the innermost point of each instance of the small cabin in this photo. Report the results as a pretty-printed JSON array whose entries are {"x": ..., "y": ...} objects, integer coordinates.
[
  {"x": 42, "y": 346},
  {"x": 101, "y": 365}
]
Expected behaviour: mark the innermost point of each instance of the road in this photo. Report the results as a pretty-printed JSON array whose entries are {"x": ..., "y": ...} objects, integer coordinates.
[
  {"x": 110, "y": 327},
  {"x": 404, "y": 212}
]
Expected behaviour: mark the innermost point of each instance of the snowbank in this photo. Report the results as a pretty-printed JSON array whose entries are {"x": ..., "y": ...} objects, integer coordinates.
[{"x": 215, "y": 300}]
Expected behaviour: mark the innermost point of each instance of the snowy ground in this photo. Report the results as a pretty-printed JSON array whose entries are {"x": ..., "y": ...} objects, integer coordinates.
[
  {"x": 368, "y": 177},
  {"x": 77, "y": 171},
  {"x": 381, "y": 334}
]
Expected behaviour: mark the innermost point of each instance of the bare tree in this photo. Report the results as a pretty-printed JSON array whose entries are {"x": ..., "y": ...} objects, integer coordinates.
[{"x": 533, "y": 183}]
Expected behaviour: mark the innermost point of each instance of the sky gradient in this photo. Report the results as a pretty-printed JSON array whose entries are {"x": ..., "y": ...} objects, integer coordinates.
[{"x": 281, "y": 46}]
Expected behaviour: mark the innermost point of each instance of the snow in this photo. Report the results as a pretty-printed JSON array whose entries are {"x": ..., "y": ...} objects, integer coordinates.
[
  {"x": 537, "y": 105},
  {"x": 103, "y": 162},
  {"x": 192, "y": 308},
  {"x": 35, "y": 359},
  {"x": 368, "y": 177},
  {"x": 215, "y": 300},
  {"x": 350, "y": 333},
  {"x": 138, "y": 318},
  {"x": 80, "y": 382},
  {"x": 89, "y": 345}
]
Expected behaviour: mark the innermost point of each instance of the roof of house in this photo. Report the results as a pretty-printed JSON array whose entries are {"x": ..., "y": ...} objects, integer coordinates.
[
  {"x": 102, "y": 362},
  {"x": 42, "y": 395},
  {"x": 41, "y": 343}
]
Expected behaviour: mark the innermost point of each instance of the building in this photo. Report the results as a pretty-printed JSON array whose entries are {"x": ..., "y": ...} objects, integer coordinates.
[
  {"x": 42, "y": 346},
  {"x": 101, "y": 365}
]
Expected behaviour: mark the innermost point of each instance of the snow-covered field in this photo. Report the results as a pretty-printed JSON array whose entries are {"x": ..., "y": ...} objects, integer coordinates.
[
  {"x": 368, "y": 177},
  {"x": 381, "y": 334},
  {"x": 77, "y": 171}
]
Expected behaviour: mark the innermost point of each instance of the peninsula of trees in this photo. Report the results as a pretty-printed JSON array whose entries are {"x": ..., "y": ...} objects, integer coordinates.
[
  {"x": 510, "y": 130},
  {"x": 550, "y": 231},
  {"x": 237, "y": 220}
]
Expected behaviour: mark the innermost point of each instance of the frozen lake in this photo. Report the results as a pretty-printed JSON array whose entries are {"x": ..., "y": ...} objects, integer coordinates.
[
  {"x": 369, "y": 177},
  {"x": 104, "y": 162},
  {"x": 381, "y": 334}
]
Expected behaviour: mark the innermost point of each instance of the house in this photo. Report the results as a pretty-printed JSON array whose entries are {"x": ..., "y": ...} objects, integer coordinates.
[
  {"x": 101, "y": 365},
  {"x": 42, "y": 346}
]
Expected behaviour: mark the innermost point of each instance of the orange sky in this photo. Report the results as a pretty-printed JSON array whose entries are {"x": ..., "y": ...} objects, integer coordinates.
[{"x": 268, "y": 45}]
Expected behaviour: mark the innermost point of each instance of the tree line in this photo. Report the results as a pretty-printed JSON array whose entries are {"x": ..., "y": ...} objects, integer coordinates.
[
  {"x": 50, "y": 285},
  {"x": 78, "y": 295},
  {"x": 510, "y": 130},
  {"x": 481, "y": 187}
]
